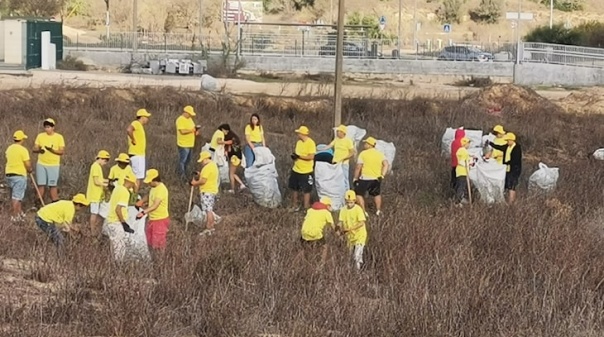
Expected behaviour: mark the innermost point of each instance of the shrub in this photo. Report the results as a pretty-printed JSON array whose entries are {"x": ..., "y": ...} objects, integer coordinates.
[
  {"x": 72, "y": 63},
  {"x": 589, "y": 34},
  {"x": 489, "y": 11},
  {"x": 449, "y": 11}
]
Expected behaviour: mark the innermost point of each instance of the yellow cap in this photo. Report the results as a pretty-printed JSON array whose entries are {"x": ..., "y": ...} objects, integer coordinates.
[
  {"x": 19, "y": 135},
  {"x": 204, "y": 155},
  {"x": 235, "y": 161},
  {"x": 464, "y": 141},
  {"x": 50, "y": 120},
  {"x": 350, "y": 196},
  {"x": 342, "y": 128},
  {"x": 499, "y": 129},
  {"x": 151, "y": 174},
  {"x": 509, "y": 136},
  {"x": 371, "y": 141},
  {"x": 103, "y": 155},
  {"x": 123, "y": 158},
  {"x": 303, "y": 130},
  {"x": 143, "y": 113},
  {"x": 130, "y": 177},
  {"x": 80, "y": 199},
  {"x": 325, "y": 201},
  {"x": 189, "y": 109}
]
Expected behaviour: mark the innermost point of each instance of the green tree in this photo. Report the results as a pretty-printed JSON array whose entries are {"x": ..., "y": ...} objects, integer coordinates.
[
  {"x": 489, "y": 11},
  {"x": 565, "y": 5},
  {"x": 449, "y": 11},
  {"x": 558, "y": 34},
  {"x": 36, "y": 8}
]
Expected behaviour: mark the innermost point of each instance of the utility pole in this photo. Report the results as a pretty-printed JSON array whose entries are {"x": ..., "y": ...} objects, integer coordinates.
[
  {"x": 107, "y": 19},
  {"x": 400, "y": 14},
  {"x": 135, "y": 26},
  {"x": 551, "y": 14},
  {"x": 201, "y": 26},
  {"x": 415, "y": 28},
  {"x": 339, "y": 59}
]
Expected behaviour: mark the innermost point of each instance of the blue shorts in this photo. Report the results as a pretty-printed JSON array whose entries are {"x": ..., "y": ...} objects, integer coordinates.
[
  {"x": 18, "y": 185},
  {"x": 47, "y": 175}
]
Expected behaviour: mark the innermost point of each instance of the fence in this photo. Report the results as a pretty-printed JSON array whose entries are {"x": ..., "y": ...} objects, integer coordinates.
[{"x": 534, "y": 52}]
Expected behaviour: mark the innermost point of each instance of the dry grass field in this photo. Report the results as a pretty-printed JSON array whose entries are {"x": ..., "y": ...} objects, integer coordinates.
[{"x": 534, "y": 269}]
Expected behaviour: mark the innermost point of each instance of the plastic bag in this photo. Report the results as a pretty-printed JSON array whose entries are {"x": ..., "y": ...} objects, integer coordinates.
[
  {"x": 329, "y": 181},
  {"x": 599, "y": 154},
  {"x": 389, "y": 151},
  {"x": 544, "y": 179},
  {"x": 136, "y": 243},
  {"x": 263, "y": 156},
  {"x": 475, "y": 137},
  {"x": 197, "y": 217},
  {"x": 208, "y": 83},
  {"x": 488, "y": 177},
  {"x": 262, "y": 181},
  {"x": 219, "y": 157}
]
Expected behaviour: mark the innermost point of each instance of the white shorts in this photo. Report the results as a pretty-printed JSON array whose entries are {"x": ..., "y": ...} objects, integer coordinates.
[
  {"x": 138, "y": 166},
  {"x": 95, "y": 208}
]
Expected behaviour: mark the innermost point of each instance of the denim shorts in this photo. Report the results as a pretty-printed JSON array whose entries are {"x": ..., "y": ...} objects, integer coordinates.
[
  {"x": 47, "y": 175},
  {"x": 18, "y": 185}
]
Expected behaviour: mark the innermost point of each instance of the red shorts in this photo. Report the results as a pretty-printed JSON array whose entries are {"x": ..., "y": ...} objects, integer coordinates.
[{"x": 156, "y": 232}]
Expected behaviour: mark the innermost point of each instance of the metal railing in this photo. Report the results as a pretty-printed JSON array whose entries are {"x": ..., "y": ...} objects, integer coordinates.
[{"x": 535, "y": 52}]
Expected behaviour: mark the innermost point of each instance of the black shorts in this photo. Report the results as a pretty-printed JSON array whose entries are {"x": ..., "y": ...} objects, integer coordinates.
[
  {"x": 301, "y": 182},
  {"x": 311, "y": 244},
  {"x": 237, "y": 154},
  {"x": 511, "y": 181},
  {"x": 373, "y": 187}
]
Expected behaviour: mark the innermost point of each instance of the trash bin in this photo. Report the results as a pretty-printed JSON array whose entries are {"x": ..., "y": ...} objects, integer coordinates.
[
  {"x": 395, "y": 53},
  {"x": 374, "y": 49}
]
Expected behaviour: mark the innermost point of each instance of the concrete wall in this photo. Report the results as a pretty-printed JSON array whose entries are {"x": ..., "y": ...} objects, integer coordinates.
[
  {"x": 2, "y": 41},
  {"x": 556, "y": 74},
  {"x": 14, "y": 41}
]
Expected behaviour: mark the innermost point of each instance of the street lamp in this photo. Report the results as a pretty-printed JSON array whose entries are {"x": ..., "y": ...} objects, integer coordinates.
[
  {"x": 339, "y": 59},
  {"x": 551, "y": 14}
]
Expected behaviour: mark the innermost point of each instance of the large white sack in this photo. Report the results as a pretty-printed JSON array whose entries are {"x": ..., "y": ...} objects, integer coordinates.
[
  {"x": 329, "y": 181},
  {"x": 489, "y": 179},
  {"x": 263, "y": 156},
  {"x": 599, "y": 154},
  {"x": 136, "y": 243},
  {"x": 544, "y": 179},
  {"x": 389, "y": 150},
  {"x": 208, "y": 83},
  {"x": 263, "y": 184},
  {"x": 197, "y": 217},
  {"x": 475, "y": 137}
]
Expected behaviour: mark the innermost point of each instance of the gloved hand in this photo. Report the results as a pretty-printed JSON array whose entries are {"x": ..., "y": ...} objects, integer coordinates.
[
  {"x": 138, "y": 205},
  {"x": 294, "y": 156},
  {"x": 140, "y": 215},
  {"x": 127, "y": 228},
  {"x": 48, "y": 148}
]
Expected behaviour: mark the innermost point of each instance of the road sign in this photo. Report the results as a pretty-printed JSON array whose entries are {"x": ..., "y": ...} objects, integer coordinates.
[
  {"x": 382, "y": 22},
  {"x": 447, "y": 28},
  {"x": 523, "y": 16},
  {"x": 514, "y": 24}
]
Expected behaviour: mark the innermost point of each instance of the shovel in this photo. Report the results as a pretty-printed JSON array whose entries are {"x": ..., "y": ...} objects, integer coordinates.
[
  {"x": 37, "y": 190},
  {"x": 468, "y": 184},
  {"x": 189, "y": 208}
]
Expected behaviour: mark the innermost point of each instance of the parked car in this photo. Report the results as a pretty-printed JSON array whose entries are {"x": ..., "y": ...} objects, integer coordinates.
[
  {"x": 350, "y": 50},
  {"x": 464, "y": 53}
]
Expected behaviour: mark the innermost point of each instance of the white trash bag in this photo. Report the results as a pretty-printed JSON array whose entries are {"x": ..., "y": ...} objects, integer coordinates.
[
  {"x": 489, "y": 179},
  {"x": 263, "y": 156},
  {"x": 329, "y": 181},
  {"x": 475, "y": 137},
  {"x": 544, "y": 179},
  {"x": 136, "y": 243},
  {"x": 599, "y": 154},
  {"x": 222, "y": 163},
  {"x": 197, "y": 217},
  {"x": 208, "y": 83},
  {"x": 262, "y": 180},
  {"x": 389, "y": 151}
]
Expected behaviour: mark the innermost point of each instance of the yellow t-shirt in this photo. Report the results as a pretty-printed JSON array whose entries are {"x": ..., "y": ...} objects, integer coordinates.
[
  {"x": 55, "y": 141},
  {"x": 304, "y": 148},
  {"x": 256, "y": 134},
  {"x": 16, "y": 156},
  {"x": 341, "y": 149},
  {"x": 496, "y": 154},
  {"x": 314, "y": 223},
  {"x": 351, "y": 218},
  {"x": 159, "y": 193},
  {"x": 188, "y": 140},
  {"x": 120, "y": 196},
  {"x": 117, "y": 173},
  {"x": 58, "y": 213},
  {"x": 218, "y": 134},
  {"x": 210, "y": 173},
  {"x": 141, "y": 140},
  {"x": 463, "y": 157},
  {"x": 372, "y": 160},
  {"x": 95, "y": 193}
]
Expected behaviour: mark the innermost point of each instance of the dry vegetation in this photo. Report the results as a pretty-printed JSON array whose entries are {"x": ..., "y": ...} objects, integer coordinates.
[{"x": 535, "y": 269}]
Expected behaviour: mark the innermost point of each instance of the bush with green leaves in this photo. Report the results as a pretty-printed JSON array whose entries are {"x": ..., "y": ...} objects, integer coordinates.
[
  {"x": 564, "y": 5},
  {"x": 449, "y": 11},
  {"x": 590, "y": 34},
  {"x": 489, "y": 12}
]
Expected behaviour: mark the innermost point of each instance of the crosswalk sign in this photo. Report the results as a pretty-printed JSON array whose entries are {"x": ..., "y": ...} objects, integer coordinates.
[
  {"x": 382, "y": 20},
  {"x": 447, "y": 28}
]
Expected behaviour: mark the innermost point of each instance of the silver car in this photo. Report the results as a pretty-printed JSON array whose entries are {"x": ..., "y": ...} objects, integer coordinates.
[{"x": 464, "y": 53}]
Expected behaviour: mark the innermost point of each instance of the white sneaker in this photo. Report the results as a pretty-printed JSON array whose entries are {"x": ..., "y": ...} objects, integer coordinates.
[
  {"x": 378, "y": 213},
  {"x": 243, "y": 187},
  {"x": 231, "y": 191},
  {"x": 207, "y": 232}
]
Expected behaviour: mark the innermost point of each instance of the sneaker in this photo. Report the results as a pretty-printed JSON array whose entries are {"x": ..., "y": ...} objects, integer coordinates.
[
  {"x": 207, "y": 232},
  {"x": 243, "y": 187},
  {"x": 295, "y": 209},
  {"x": 23, "y": 216},
  {"x": 217, "y": 219},
  {"x": 366, "y": 214},
  {"x": 231, "y": 191},
  {"x": 378, "y": 213}
]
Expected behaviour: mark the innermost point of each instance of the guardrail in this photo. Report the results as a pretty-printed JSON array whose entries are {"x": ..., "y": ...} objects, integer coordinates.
[{"x": 536, "y": 52}]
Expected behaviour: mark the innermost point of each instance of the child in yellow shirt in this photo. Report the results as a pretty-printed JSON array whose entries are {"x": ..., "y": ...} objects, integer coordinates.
[{"x": 351, "y": 222}]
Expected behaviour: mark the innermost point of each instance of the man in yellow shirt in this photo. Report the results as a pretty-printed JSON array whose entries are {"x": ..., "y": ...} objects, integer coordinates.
[
  {"x": 370, "y": 170},
  {"x": 95, "y": 193},
  {"x": 352, "y": 224},
  {"x": 18, "y": 166},
  {"x": 116, "y": 225},
  {"x": 50, "y": 146},
  {"x": 208, "y": 189},
  {"x": 343, "y": 151},
  {"x": 186, "y": 131},
  {"x": 315, "y": 221},
  {"x": 159, "y": 217},
  {"x": 301, "y": 176},
  {"x": 496, "y": 154},
  {"x": 461, "y": 171},
  {"x": 254, "y": 137},
  {"x": 58, "y": 216},
  {"x": 137, "y": 144}
]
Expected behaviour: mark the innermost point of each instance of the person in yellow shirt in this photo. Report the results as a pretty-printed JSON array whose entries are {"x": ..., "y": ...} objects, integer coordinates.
[
  {"x": 368, "y": 174},
  {"x": 158, "y": 204},
  {"x": 186, "y": 131},
  {"x": 496, "y": 154},
  {"x": 351, "y": 222},
  {"x": 58, "y": 216},
  {"x": 137, "y": 144},
  {"x": 50, "y": 146},
  {"x": 254, "y": 137},
  {"x": 207, "y": 180},
  {"x": 301, "y": 177},
  {"x": 461, "y": 171},
  {"x": 116, "y": 225},
  {"x": 120, "y": 170},
  {"x": 316, "y": 219},
  {"x": 18, "y": 166},
  {"x": 343, "y": 151},
  {"x": 95, "y": 193}
]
